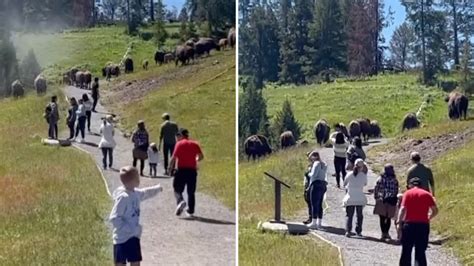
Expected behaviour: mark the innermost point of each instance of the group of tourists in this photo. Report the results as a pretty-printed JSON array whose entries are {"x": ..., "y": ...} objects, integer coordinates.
[{"x": 411, "y": 211}]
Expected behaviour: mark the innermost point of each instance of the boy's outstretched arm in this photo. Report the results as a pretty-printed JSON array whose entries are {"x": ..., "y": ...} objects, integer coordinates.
[{"x": 146, "y": 193}]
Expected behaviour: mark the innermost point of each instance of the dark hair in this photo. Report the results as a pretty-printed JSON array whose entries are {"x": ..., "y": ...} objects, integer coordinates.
[
  {"x": 54, "y": 98},
  {"x": 357, "y": 142},
  {"x": 154, "y": 148},
  {"x": 73, "y": 101},
  {"x": 389, "y": 171},
  {"x": 85, "y": 97},
  {"x": 416, "y": 158},
  {"x": 340, "y": 138},
  {"x": 166, "y": 117},
  {"x": 183, "y": 132},
  {"x": 96, "y": 79}
]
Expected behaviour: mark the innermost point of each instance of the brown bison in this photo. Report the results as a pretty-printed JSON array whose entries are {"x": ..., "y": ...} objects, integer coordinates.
[
  {"x": 321, "y": 131},
  {"x": 40, "y": 85},
  {"x": 128, "y": 63},
  {"x": 72, "y": 76},
  {"x": 354, "y": 129},
  {"x": 364, "y": 128},
  {"x": 80, "y": 78},
  {"x": 457, "y": 105},
  {"x": 169, "y": 57},
  {"x": 410, "y": 121},
  {"x": 184, "y": 54},
  {"x": 110, "y": 70},
  {"x": 231, "y": 37},
  {"x": 191, "y": 42},
  {"x": 256, "y": 146},
  {"x": 287, "y": 139},
  {"x": 145, "y": 64},
  {"x": 340, "y": 127},
  {"x": 87, "y": 79},
  {"x": 223, "y": 43},
  {"x": 17, "y": 89},
  {"x": 375, "y": 131},
  {"x": 205, "y": 45},
  {"x": 159, "y": 57}
]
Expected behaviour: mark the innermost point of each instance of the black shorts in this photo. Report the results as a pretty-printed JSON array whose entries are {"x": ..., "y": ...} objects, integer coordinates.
[{"x": 128, "y": 251}]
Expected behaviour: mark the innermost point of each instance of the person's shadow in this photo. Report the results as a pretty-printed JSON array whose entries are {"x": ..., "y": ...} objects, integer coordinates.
[
  {"x": 210, "y": 220},
  {"x": 342, "y": 232}
]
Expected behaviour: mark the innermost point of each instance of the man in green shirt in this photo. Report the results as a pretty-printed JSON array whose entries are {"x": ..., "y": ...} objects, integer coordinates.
[
  {"x": 168, "y": 132},
  {"x": 422, "y": 172}
]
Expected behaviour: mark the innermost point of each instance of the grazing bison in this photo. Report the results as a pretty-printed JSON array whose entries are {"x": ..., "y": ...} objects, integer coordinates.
[
  {"x": 321, "y": 131},
  {"x": 342, "y": 128},
  {"x": 410, "y": 121},
  {"x": 159, "y": 57},
  {"x": 145, "y": 64},
  {"x": 231, "y": 37},
  {"x": 287, "y": 139},
  {"x": 256, "y": 146},
  {"x": 457, "y": 105},
  {"x": 128, "y": 65},
  {"x": 80, "y": 78},
  {"x": 205, "y": 45},
  {"x": 40, "y": 85},
  {"x": 169, "y": 57},
  {"x": 354, "y": 129},
  {"x": 375, "y": 131},
  {"x": 72, "y": 75},
  {"x": 110, "y": 70},
  {"x": 87, "y": 79},
  {"x": 17, "y": 89},
  {"x": 184, "y": 54},
  {"x": 364, "y": 128},
  {"x": 223, "y": 43}
]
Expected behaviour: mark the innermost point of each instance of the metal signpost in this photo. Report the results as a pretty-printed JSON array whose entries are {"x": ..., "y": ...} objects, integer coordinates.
[{"x": 278, "y": 184}]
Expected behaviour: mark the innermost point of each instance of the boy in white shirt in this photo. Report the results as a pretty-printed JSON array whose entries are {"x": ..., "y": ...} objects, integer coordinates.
[{"x": 125, "y": 216}]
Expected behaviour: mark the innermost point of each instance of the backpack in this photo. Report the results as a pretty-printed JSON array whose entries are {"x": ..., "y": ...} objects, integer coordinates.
[
  {"x": 47, "y": 112},
  {"x": 352, "y": 155}
]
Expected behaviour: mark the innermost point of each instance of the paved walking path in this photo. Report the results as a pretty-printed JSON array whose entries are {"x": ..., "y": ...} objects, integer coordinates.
[
  {"x": 168, "y": 239},
  {"x": 367, "y": 250}
]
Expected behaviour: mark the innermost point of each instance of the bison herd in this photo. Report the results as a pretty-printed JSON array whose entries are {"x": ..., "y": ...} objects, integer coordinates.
[
  {"x": 78, "y": 78},
  {"x": 40, "y": 84}
]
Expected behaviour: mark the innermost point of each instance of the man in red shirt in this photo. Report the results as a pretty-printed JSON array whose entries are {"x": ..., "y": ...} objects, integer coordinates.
[
  {"x": 415, "y": 215},
  {"x": 187, "y": 153}
]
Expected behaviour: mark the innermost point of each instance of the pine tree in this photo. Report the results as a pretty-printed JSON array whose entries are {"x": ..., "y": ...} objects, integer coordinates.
[
  {"x": 401, "y": 45},
  {"x": 285, "y": 120},
  {"x": 252, "y": 108}
]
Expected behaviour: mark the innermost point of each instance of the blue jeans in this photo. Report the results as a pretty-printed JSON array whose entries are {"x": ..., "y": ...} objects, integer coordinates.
[{"x": 316, "y": 195}]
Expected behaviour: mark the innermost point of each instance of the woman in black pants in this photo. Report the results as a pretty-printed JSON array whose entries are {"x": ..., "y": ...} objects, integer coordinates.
[
  {"x": 340, "y": 145},
  {"x": 88, "y": 109},
  {"x": 81, "y": 120},
  {"x": 71, "y": 117},
  {"x": 140, "y": 140}
]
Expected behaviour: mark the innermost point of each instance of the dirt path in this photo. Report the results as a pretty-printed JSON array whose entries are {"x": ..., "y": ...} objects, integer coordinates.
[
  {"x": 367, "y": 250},
  {"x": 168, "y": 239}
]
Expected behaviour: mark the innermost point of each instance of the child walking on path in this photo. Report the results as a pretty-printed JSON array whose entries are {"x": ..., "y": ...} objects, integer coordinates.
[
  {"x": 153, "y": 159},
  {"x": 125, "y": 216}
]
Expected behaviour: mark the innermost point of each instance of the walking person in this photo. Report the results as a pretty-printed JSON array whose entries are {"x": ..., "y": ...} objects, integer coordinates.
[
  {"x": 81, "y": 120},
  {"x": 153, "y": 158},
  {"x": 385, "y": 194},
  {"x": 421, "y": 171},
  {"x": 52, "y": 117},
  {"x": 107, "y": 142},
  {"x": 306, "y": 188},
  {"x": 125, "y": 216},
  {"x": 168, "y": 132},
  {"x": 88, "y": 109},
  {"x": 141, "y": 141},
  {"x": 340, "y": 145},
  {"x": 317, "y": 189},
  {"x": 71, "y": 117},
  {"x": 355, "y": 199},
  {"x": 95, "y": 93},
  {"x": 186, "y": 155},
  {"x": 355, "y": 152},
  {"x": 418, "y": 207}
]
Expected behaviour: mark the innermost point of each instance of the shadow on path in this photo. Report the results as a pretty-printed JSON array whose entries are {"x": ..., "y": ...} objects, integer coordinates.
[{"x": 211, "y": 221}]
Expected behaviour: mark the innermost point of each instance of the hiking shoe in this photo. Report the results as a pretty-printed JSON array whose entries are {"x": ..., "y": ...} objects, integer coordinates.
[
  {"x": 313, "y": 225},
  {"x": 180, "y": 207}
]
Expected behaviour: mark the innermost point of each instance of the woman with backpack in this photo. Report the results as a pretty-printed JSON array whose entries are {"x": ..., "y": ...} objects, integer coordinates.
[
  {"x": 385, "y": 194},
  {"x": 355, "y": 152},
  {"x": 140, "y": 140}
]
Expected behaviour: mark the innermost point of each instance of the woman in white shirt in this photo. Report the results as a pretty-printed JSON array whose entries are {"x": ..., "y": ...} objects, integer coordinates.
[
  {"x": 340, "y": 145},
  {"x": 355, "y": 199},
  {"x": 88, "y": 109},
  {"x": 107, "y": 142}
]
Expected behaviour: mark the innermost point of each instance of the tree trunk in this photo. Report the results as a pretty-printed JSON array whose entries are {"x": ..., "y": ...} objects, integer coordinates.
[
  {"x": 152, "y": 10},
  {"x": 425, "y": 73},
  {"x": 455, "y": 33}
]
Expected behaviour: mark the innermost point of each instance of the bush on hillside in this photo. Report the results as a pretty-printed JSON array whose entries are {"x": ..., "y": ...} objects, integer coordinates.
[
  {"x": 29, "y": 69},
  {"x": 285, "y": 120}
]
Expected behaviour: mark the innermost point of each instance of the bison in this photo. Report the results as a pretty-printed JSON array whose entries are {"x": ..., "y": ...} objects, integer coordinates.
[
  {"x": 256, "y": 146},
  {"x": 223, "y": 43},
  {"x": 40, "y": 85},
  {"x": 110, "y": 70},
  {"x": 169, "y": 57},
  {"x": 159, "y": 57},
  {"x": 231, "y": 37},
  {"x": 375, "y": 131},
  {"x": 457, "y": 105},
  {"x": 205, "y": 45},
  {"x": 191, "y": 42},
  {"x": 72, "y": 75},
  {"x": 87, "y": 79},
  {"x": 321, "y": 131},
  {"x": 17, "y": 89},
  {"x": 145, "y": 64},
  {"x": 184, "y": 54},
  {"x": 342, "y": 128},
  {"x": 128, "y": 65},
  {"x": 354, "y": 129},
  {"x": 80, "y": 78},
  {"x": 287, "y": 139},
  {"x": 364, "y": 128},
  {"x": 410, "y": 121}
]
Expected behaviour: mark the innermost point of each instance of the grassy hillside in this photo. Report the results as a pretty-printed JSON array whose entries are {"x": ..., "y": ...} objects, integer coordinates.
[
  {"x": 385, "y": 98},
  {"x": 256, "y": 204},
  {"x": 52, "y": 201}
]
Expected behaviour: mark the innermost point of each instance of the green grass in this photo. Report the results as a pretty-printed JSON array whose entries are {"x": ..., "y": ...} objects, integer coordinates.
[
  {"x": 52, "y": 200},
  {"x": 256, "y": 204},
  {"x": 454, "y": 187},
  {"x": 386, "y": 98}
]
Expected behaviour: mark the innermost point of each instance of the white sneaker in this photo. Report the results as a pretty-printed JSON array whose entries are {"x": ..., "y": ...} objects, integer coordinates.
[
  {"x": 180, "y": 207},
  {"x": 189, "y": 215},
  {"x": 319, "y": 222},
  {"x": 313, "y": 225}
]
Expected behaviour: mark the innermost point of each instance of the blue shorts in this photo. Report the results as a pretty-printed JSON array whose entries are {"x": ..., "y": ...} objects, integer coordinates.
[{"x": 129, "y": 251}]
